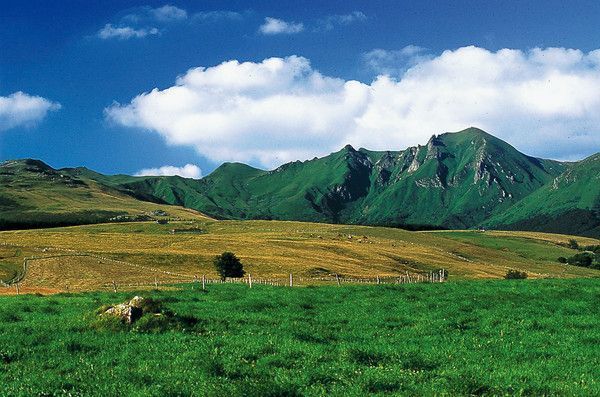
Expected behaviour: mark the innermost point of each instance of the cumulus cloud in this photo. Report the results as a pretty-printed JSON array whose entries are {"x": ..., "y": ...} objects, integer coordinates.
[
  {"x": 187, "y": 171},
  {"x": 543, "y": 101},
  {"x": 20, "y": 109},
  {"x": 279, "y": 26},
  {"x": 332, "y": 21},
  {"x": 125, "y": 32}
]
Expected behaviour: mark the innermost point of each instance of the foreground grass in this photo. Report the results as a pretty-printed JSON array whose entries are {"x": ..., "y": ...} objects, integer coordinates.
[{"x": 537, "y": 337}]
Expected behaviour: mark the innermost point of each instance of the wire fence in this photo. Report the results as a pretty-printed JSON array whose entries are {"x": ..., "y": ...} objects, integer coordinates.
[
  {"x": 161, "y": 278},
  {"x": 436, "y": 276}
]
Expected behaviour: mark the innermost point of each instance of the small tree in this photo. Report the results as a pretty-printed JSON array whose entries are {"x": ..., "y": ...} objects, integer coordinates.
[
  {"x": 515, "y": 275},
  {"x": 573, "y": 244},
  {"x": 228, "y": 265},
  {"x": 562, "y": 259}
]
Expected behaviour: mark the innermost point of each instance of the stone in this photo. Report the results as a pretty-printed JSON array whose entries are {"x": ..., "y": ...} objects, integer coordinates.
[{"x": 128, "y": 312}]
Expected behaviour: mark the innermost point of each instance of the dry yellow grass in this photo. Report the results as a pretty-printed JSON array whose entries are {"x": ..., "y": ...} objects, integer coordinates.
[{"x": 274, "y": 249}]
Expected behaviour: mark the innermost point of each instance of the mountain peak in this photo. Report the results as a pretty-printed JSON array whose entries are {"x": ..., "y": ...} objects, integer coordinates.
[{"x": 29, "y": 164}]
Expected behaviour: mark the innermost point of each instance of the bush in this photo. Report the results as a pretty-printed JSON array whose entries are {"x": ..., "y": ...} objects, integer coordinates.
[
  {"x": 573, "y": 244},
  {"x": 228, "y": 265},
  {"x": 584, "y": 259},
  {"x": 562, "y": 259},
  {"x": 515, "y": 275}
]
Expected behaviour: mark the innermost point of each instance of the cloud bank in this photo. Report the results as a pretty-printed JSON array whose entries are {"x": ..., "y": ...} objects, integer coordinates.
[
  {"x": 543, "y": 101},
  {"x": 187, "y": 171},
  {"x": 279, "y": 26},
  {"x": 20, "y": 109}
]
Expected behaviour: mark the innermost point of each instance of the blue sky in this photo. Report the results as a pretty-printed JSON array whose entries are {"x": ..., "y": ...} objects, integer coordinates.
[{"x": 383, "y": 75}]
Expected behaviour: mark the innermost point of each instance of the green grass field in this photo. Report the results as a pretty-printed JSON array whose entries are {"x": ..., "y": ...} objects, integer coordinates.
[{"x": 532, "y": 337}]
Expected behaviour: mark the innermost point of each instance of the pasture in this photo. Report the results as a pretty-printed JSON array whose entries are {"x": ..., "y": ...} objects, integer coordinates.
[
  {"x": 90, "y": 257},
  {"x": 500, "y": 337}
]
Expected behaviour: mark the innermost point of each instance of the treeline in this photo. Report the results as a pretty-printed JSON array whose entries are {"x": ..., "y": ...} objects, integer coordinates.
[{"x": 588, "y": 257}]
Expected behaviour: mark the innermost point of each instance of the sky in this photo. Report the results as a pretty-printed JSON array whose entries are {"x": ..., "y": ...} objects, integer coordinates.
[{"x": 178, "y": 87}]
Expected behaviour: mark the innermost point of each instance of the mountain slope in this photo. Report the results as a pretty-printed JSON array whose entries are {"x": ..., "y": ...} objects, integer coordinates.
[
  {"x": 569, "y": 204},
  {"x": 457, "y": 180},
  {"x": 34, "y": 194}
]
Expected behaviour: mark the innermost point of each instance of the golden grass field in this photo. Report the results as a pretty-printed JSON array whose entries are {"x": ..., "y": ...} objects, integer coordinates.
[{"x": 91, "y": 257}]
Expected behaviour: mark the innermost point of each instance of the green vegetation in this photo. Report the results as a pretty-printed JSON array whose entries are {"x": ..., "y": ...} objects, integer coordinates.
[
  {"x": 515, "y": 275},
  {"x": 589, "y": 257},
  {"x": 465, "y": 338},
  {"x": 228, "y": 265},
  {"x": 456, "y": 181},
  {"x": 570, "y": 204}
]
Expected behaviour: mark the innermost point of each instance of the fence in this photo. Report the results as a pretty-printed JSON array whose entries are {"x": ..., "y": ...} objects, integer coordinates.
[
  {"x": 437, "y": 276},
  {"x": 178, "y": 278}
]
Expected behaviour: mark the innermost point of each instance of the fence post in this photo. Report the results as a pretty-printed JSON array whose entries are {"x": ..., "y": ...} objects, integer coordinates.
[
  {"x": 378, "y": 280},
  {"x": 155, "y": 282},
  {"x": 17, "y": 285},
  {"x": 114, "y": 286},
  {"x": 337, "y": 279},
  {"x": 203, "y": 282},
  {"x": 291, "y": 280},
  {"x": 249, "y": 280}
]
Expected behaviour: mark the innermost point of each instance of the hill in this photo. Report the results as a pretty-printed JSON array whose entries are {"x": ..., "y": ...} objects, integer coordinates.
[
  {"x": 34, "y": 194},
  {"x": 457, "y": 180}
]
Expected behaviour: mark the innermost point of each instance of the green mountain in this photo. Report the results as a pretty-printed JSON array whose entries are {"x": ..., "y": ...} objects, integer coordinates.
[
  {"x": 457, "y": 180},
  {"x": 569, "y": 204}
]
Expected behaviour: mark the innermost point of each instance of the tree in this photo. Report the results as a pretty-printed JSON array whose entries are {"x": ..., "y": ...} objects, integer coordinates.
[
  {"x": 562, "y": 259},
  {"x": 228, "y": 265},
  {"x": 515, "y": 275}
]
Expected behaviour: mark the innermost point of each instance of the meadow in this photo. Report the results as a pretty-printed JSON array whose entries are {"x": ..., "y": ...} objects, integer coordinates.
[
  {"x": 502, "y": 337},
  {"x": 91, "y": 257}
]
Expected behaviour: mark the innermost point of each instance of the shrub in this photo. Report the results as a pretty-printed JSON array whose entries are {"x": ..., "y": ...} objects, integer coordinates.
[
  {"x": 573, "y": 244},
  {"x": 584, "y": 259},
  {"x": 515, "y": 275},
  {"x": 228, "y": 265},
  {"x": 562, "y": 259}
]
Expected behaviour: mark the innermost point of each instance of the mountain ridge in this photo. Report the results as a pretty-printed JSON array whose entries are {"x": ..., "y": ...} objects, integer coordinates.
[{"x": 464, "y": 179}]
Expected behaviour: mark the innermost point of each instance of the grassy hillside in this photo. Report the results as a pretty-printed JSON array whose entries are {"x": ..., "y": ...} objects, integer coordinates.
[
  {"x": 470, "y": 338},
  {"x": 36, "y": 195},
  {"x": 569, "y": 204},
  {"x": 141, "y": 252}
]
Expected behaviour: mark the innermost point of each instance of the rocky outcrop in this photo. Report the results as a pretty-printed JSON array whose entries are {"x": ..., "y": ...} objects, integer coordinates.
[{"x": 128, "y": 312}]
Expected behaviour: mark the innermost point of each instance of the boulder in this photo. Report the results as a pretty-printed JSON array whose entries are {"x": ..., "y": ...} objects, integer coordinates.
[{"x": 128, "y": 312}]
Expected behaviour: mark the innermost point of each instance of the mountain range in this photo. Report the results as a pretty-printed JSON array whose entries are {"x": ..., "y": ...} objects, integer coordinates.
[{"x": 458, "y": 180}]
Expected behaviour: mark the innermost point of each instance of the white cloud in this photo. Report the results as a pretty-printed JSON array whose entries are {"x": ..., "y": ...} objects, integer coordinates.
[
  {"x": 395, "y": 62},
  {"x": 217, "y": 15},
  {"x": 332, "y": 21},
  {"x": 20, "y": 109},
  {"x": 279, "y": 26},
  {"x": 168, "y": 13},
  {"x": 187, "y": 171},
  {"x": 125, "y": 32},
  {"x": 544, "y": 101}
]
